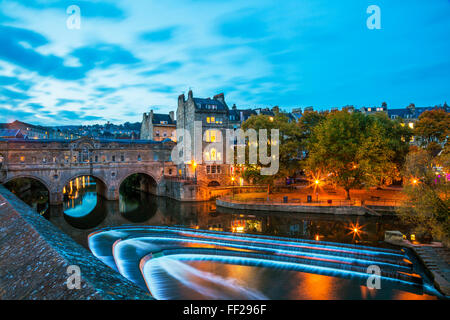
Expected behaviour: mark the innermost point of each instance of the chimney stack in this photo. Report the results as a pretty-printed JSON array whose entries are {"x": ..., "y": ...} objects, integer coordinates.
[{"x": 172, "y": 116}]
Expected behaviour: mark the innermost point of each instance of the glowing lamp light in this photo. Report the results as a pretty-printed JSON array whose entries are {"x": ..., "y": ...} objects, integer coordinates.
[
  {"x": 232, "y": 178},
  {"x": 413, "y": 237},
  {"x": 317, "y": 182},
  {"x": 317, "y": 237}
]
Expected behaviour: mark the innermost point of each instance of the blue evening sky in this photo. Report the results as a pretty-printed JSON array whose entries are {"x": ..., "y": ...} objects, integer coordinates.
[{"x": 130, "y": 56}]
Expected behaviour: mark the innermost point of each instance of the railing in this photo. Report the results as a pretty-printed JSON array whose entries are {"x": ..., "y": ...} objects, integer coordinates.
[{"x": 324, "y": 203}]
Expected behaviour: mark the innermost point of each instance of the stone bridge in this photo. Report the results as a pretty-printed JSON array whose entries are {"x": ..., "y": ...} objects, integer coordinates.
[{"x": 55, "y": 163}]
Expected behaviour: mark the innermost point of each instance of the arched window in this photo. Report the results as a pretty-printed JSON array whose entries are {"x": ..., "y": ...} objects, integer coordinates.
[
  {"x": 84, "y": 156},
  {"x": 213, "y": 136},
  {"x": 1, "y": 160}
]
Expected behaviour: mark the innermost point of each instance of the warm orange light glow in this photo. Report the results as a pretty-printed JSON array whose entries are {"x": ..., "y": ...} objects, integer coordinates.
[
  {"x": 232, "y": 178},
  {"x": 317, "y": 182},
  {"x": 317, "y": 237},
  {"x": 413, "y": 237},
  {"x": 356, "y": 230}
]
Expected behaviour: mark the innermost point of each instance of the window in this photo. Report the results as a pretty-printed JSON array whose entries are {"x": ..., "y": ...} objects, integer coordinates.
[
  {"x": 157, "y": 133},
  {"x": 170, "y": 171},
  {"x": 96, "y": 158},
  {"x": 139, "y": 158},
  {"x": 210, "y": 119},
  {"x": 113, "y": 158},
  {"x": 208, "y": 169},
  {"x": 212, "y": 136},
  {"x": 164, "y": 134},
  {"x": 122, "y": 157},
  {"x": 213, "y": 169},
  {"x": 22, "y": 159}
]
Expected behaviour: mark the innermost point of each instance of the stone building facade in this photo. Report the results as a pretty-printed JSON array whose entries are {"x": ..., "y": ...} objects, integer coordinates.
[
  {"x": 158, "y": 127},
  {"x": 55, "y": 163},
  {"x": 213, "y": 114}
]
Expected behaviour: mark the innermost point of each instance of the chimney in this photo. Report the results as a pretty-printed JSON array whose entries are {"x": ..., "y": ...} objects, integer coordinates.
[
  {"x": 190, "y": 95},
  {"x": 234, "y": 107},
  {"x": 172, "y": 116},
  {"x": 181, "y": 98},
  {"x": 220, "y": 97}
]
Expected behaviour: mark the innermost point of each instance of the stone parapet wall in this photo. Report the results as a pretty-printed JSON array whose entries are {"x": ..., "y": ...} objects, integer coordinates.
[{"x": 35, "y": 255}]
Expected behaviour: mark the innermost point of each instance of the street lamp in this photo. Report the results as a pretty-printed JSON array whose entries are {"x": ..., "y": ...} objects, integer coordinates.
[{"x": 232, "y": 179}]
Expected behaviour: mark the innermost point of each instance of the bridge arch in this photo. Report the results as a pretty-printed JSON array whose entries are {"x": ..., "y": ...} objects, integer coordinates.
[
  {"x": 102, "y": 187},
  {"x": 45, "y": 183},
  {"x": 33, "y": 190},
  {"x": 214, "y": 184},
  {"x": 147, "y": 182},
  {"x": 66, "y": 181}
]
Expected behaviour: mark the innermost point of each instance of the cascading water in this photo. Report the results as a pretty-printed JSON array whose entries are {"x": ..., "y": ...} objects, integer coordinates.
[{"x": 181, "y": 263}]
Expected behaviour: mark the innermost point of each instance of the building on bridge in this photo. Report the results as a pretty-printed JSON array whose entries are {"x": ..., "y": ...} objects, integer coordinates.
[
  {"x": 55, "y": 163},
  {"x": 214, "y": 117}
]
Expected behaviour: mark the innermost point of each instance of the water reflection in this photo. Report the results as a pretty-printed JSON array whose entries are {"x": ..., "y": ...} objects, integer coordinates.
[
  {"x": 80, "y": 197},
  {"x": 84, "y": 211},
  {"x": 173, "y": 279},
  {"x": 32, "y": 192}
]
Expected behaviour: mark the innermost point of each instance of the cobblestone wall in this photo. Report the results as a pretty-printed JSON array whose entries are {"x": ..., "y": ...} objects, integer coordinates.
[{"x": 34, "y": 256}]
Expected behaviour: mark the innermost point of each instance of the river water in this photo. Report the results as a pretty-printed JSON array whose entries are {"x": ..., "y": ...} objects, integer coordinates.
[{"x": 84, "y": 212}]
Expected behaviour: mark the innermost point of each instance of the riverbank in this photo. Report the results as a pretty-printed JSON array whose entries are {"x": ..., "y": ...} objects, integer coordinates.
[
  {"x": 35, "y": 255},
  {"x": 436, "y": 259},
  {"x": 340, "y": 207}
]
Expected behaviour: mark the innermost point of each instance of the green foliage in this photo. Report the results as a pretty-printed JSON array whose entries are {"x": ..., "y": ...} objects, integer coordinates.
[
  {"x": 289, "y": 147},
  {"x": 428, "y": 201},
  {"x": 432, "y": 129},
  {"x": 355, "y": 150}
]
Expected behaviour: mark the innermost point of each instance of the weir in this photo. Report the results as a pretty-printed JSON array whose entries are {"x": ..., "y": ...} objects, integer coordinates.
[{"x": 131, "y": 250}]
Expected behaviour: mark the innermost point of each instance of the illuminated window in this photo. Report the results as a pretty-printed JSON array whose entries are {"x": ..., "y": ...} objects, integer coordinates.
[
  {"x": 213, "y": 154},
  {"x": 22, "y": 158},
  {"x": 411, "y": 125},
  {"x": 212, "y": 136}
]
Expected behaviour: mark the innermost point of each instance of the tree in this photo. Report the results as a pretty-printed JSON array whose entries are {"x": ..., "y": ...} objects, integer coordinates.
[
  {"x": 432, "y": 129},
  {"x": 397, "y": 137},
  {"x": 289, "y": 147},
  {"x": 306, "y": 124},
  {"x": 351, "y": 149},
  {"x": 428, "y": 197}
]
